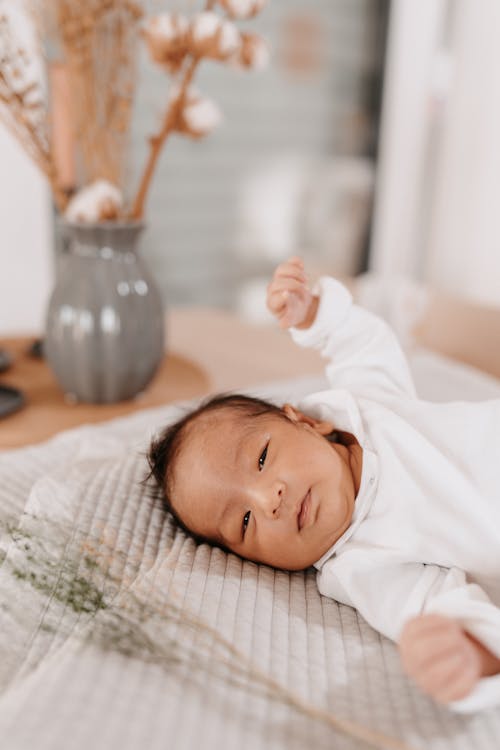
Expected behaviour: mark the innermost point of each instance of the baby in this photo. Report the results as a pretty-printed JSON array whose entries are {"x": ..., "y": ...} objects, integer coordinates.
[{"x": 394, "y": 500}]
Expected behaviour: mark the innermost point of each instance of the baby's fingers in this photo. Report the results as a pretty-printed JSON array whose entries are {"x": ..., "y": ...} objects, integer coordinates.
[
  {"x": 426, "y": 641},
  {"x": 293, "y": 310},
  {"x": 276, "y": 296},
  {"x": 286, "y": 282},
  {"x": 451, "y": 677},
  {"x": 436, "y": 653},
  {"x": 292, "y": 268}
]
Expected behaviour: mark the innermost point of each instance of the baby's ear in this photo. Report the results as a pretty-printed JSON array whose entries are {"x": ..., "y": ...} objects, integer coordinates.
[{"x": 323, "y": 427}]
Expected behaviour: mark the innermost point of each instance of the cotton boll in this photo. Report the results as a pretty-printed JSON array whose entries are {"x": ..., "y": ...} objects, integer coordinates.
[
  {"x": 230, "y": 38},
  {"x": 198, "y": 115},
  {"x": 167, "y": 27},
  {"x": 100, "y": 201},
  {"x": 242, "y": 9},
  {"x": 201, "y": 117},
  {"x": 254, "y": 52},
  {"x": 166, "y": 38},
  {"x": 205, "y": 25},
  {"x": 211, "y": 36}
]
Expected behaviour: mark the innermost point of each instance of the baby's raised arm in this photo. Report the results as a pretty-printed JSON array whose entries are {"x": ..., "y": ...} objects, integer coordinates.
[{"x": 363, "y": 352}]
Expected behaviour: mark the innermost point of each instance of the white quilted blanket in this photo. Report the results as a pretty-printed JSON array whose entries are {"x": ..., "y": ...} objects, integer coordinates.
[{"x": 101, "y": 599}]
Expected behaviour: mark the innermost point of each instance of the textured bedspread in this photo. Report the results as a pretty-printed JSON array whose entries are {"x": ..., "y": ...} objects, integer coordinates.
[{"x": 104, "y": 608}]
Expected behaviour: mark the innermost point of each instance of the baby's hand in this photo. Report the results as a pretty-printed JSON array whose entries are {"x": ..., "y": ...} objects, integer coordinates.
[
  {"x": 437, "y": 653},
  {"x": 289, "y": 297}
]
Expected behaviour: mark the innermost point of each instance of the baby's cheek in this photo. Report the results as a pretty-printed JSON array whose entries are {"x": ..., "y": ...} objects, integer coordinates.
[{"x": 276, "y": 546}]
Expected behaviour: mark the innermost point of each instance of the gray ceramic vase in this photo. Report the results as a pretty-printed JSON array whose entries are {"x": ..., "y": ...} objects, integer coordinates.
[{"x": 105, "y": 326}]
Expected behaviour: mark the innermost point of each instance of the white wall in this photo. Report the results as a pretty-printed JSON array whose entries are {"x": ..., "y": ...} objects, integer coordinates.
[
  {"x": 413, "y": 37},
  {"x": 25, "y": 236},
  {"x": 438, "y": 186},
  {"x": 464, "y": 229}
]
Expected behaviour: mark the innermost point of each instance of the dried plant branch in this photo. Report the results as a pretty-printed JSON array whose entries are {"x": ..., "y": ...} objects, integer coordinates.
[
  {"x": 22, "y": 108},
  {"x": 157, "y": 142},
  {"x": 179, "y": 45},
  {"x": 95, "y": 78},
  {"x": 116, "y": 618},
  {"x": 99, "y": 44}
]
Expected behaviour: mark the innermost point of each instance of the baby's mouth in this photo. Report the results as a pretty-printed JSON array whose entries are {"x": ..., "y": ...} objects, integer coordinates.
[{"x": 304, "y": 509}]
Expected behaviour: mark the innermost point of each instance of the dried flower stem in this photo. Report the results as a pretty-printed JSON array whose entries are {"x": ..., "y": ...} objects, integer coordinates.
[
  {"x": 98, "y": 42},
  {"x": 157, "y": 142},
  {"x": 236, "y": 662},
  {"x": 99, "y": 45},
  {"x": 119, "y": 620},
  {"x": 22, "y": 109}
]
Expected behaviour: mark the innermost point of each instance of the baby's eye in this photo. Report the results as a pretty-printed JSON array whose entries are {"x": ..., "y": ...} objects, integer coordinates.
[
  {"x": 262, "y": 458},
  {"x": 246, "y": 519}
]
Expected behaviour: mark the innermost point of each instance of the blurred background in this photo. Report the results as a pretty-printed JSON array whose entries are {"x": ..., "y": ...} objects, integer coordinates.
[{"x": 370, "y": 143}]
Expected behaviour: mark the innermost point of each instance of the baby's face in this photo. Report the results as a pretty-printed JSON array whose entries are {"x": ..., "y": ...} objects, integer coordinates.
[{"x": 272, "y": 490}]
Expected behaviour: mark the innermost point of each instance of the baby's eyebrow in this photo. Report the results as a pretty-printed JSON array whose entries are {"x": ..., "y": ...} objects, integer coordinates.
[{"x": 247, "y": 432}]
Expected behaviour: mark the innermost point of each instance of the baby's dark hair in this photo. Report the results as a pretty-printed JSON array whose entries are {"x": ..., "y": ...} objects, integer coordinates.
[{"x": 165, "y": 448}]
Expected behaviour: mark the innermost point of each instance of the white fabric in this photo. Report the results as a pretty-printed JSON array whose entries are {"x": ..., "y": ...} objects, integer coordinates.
[
  {"x": 56, "y": 692},
  {"x": 425, "y": 535}
]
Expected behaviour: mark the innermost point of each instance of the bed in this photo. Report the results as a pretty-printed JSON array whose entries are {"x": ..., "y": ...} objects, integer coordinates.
[{"x": 118, "y": 632}]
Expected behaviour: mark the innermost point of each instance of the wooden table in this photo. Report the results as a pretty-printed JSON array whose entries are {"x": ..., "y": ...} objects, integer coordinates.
[
  {"x": 212, "y": 350},
  {"x": 207, "y": 351}
]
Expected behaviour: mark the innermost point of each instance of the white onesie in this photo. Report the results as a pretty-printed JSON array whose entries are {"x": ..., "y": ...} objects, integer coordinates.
[{"x": 425, "y": 534}]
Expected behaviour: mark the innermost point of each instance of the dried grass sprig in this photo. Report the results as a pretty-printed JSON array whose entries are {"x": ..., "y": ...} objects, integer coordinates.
[
  {"x": 22, "y": 107},
  {"x": 99, "y": 41},
  {"x": 129, "y": 617}
]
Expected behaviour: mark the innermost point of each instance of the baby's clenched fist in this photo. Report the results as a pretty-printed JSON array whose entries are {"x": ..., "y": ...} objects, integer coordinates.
[
  {"x": 289, "y": 297},
  {"x": 439, "y": 656}
]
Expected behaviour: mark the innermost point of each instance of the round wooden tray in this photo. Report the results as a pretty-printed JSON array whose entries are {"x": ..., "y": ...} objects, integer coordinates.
[{"x": 47, "y": 411}]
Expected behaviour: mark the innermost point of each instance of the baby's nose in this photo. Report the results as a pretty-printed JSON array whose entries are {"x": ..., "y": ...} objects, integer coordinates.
[{"x": 272, "y": 499}]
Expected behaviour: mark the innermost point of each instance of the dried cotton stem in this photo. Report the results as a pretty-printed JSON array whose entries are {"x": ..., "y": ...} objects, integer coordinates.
[{"x": 157, "y": 142}]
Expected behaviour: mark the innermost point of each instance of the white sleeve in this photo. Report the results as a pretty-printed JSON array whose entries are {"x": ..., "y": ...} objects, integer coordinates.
[
  {"x": 388, "y": 594},
  {"x": 364, "y": 355}
]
